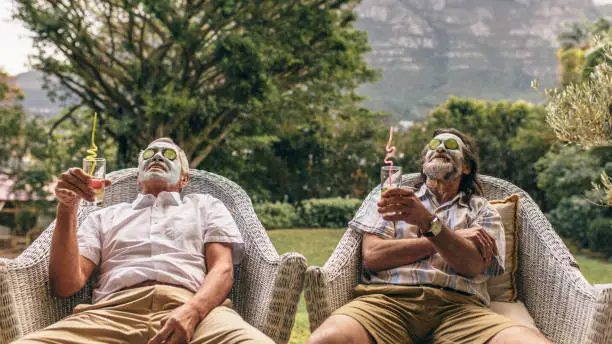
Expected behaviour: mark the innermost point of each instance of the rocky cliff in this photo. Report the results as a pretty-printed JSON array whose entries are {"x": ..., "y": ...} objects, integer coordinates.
[
  {"x": 605, "y": 10},
  {"x": 430, "y": 49}
]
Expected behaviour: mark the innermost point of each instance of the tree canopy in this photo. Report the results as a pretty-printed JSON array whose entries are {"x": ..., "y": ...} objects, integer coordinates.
[
  {"x": 197, "y": 70},
  {"x": 581, "y": 112}
]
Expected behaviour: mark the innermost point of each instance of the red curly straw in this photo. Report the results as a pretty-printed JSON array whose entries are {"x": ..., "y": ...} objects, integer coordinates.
[{"x": 390, "y": 152}]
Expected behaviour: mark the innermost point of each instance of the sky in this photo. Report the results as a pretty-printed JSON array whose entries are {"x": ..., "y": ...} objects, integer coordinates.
[
  {"x": 16, "y": 45},
  {"x": 14, "y": 41}
]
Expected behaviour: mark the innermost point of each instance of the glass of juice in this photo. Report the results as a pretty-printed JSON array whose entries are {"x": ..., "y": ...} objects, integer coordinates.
[
  {"x": 390, "y": 177},
  {"x": 96, "y": 168}
]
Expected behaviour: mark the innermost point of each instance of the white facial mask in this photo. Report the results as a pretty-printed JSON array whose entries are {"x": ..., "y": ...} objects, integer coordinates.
[
  {"x": 167, "y": 169},
  {"x": 442, "y": 163}
]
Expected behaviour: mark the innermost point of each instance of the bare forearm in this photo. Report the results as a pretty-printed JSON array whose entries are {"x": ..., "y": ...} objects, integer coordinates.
[
  {"x": 64, "y": 263},
  {"x": 461, "y": 254},
  {"x": 214, "y": 290},
  {"x": 381, "y": 254}
]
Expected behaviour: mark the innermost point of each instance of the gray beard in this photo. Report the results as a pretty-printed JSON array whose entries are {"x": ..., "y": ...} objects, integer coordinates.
[{"x": 440, "y": 170}]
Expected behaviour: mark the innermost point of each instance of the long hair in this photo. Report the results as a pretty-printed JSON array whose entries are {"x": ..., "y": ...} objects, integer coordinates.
[{"x": 469, "y": 184}]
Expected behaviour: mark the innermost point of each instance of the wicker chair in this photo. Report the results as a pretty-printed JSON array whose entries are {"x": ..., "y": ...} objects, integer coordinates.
[
  {"x": 266, "y": 289},
  {"x": 565, "y": 307}
]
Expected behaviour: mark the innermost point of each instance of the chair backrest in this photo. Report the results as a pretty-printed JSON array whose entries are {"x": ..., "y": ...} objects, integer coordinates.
[
  {"x": 125, "y": 189},
  {"x": 532, "y": 224}
]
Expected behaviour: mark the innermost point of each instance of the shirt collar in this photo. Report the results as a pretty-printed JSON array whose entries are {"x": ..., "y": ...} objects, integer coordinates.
[
  {"x": 164, "y": 198},
  {"x": 424, "y": 191}
]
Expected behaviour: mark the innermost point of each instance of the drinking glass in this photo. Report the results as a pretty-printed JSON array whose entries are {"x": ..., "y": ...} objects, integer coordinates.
[
  {"x": 390, "y": 177},
  {"x": 96, "y": 168}
]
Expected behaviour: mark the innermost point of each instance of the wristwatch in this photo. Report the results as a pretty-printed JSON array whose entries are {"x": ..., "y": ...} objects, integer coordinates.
[{"x": 434, "y": 228}]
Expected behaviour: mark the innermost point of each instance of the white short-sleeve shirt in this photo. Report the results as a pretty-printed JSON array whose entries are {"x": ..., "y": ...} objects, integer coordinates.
[{"x": 161, "y": 239}]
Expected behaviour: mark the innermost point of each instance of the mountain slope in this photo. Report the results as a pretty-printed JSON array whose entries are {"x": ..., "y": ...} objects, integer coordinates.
[{"x": 430, "y": 49}]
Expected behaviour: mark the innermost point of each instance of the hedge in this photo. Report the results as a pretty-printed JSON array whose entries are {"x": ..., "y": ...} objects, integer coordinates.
[
  {"x": 277, "y": 215},
  {"x": 600, "y": 236},
  {"x": 311, "y": 213},
  {"x": 328, "y": 212}
]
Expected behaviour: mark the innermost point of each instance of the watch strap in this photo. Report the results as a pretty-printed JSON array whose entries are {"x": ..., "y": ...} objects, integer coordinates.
[
  {"x": 427, "y": 231},
  {"x": 429, "y": 234}
]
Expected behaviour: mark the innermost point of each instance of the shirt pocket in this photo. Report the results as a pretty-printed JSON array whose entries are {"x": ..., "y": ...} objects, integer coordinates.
[
  {"x": 461, "y": 220},
  {"x": 184, "y": 235}
]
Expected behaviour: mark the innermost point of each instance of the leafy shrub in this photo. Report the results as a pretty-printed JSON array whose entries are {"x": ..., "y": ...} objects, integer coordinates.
[
  {"x": 600, "y": 235},
  {"x": 25, "y": 219},
  {"x": 328, "y": 212},
  {"x": 277, "y": 215},
  {"x": 567, "y": 171},
  {"x": 571, "y": 218},
  {"x": 570, "y": 65}
]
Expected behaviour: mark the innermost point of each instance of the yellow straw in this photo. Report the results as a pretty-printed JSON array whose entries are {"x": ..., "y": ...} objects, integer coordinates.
[{"x": 92, "y": 151}]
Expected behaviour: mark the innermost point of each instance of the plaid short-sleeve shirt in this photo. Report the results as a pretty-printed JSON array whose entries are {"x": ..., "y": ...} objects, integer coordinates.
[{"x": 433, "y": 270}]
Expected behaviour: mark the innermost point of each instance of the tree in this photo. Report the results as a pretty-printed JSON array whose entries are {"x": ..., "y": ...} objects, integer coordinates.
[
  {"x": 32, "y": 158},
  {"x": 575, "y": 36},
  {"x": 197, "y": 70},
  {"x": 318, "y": 156},
  {"x": 570, "y": 64},
  {"x": 19, "y": 136},
  {"x": 13, "y": 124},
  {"x": 578, "y": 56},
  {"x": 567, "y": 171},
  {"x": 581, "y": 112},
  {"x": 580, "y": 35}
]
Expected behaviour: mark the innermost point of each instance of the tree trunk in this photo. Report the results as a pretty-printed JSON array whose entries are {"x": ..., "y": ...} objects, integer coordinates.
[{"x": 122, "y": 152}]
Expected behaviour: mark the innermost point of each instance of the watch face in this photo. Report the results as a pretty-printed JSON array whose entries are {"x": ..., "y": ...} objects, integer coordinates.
[{"x": 436, "y": 227}]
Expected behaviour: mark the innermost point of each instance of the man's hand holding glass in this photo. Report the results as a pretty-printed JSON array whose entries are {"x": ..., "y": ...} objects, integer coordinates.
[{"x": 75, "y": 185}]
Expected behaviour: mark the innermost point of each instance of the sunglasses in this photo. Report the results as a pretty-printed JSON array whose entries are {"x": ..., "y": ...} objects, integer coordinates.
[
  {"x": 448, "y": 143},
  {"x": 168, "y": 153}
]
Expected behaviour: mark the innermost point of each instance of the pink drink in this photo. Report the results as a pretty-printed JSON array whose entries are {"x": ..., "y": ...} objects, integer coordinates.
[{"x": 96, "y": 169}]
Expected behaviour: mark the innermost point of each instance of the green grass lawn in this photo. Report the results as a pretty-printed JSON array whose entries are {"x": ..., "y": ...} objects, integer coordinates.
[
  {"x": 595, "y": 270},
  {"x": 317, "y": 245}
]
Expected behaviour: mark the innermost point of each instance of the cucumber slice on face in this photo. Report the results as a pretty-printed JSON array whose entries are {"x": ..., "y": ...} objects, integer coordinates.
[
  {"x": 433, "y": 144},
  {"x": 170, "y": 154},
  {"x": 451, "y": 144},
  {"x": 148, "y": 154}
]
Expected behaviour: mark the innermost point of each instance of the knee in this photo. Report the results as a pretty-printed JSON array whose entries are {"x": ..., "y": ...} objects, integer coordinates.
[{"x": 329, "y": 336}]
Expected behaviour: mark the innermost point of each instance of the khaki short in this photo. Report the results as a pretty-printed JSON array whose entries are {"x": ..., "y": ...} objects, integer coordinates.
[
  {"x": 414, "y": 314},
  {"x": 134, "y": 316}
]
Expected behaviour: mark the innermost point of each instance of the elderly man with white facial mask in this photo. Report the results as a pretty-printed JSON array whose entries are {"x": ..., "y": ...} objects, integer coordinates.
[
  {"x": 155, "y": 284},
  {"x": 425, "y": 277}
]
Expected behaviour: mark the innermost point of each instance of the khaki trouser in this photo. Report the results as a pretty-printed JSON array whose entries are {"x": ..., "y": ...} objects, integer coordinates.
[
  {"x": 135, "y": 315},
  {"x": 422, "y": 314}
]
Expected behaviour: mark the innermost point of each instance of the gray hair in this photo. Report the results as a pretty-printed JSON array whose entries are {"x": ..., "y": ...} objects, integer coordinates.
[
  {"x": 470, "y": 184},
  {"x": 181, "y": 153}
]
